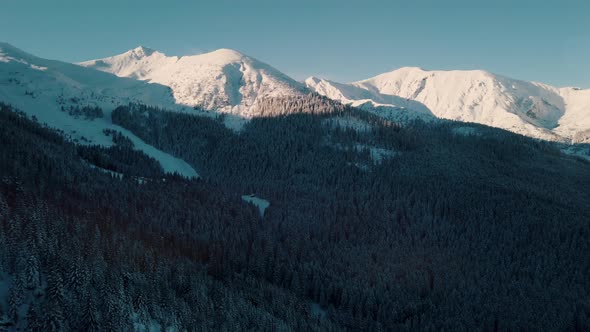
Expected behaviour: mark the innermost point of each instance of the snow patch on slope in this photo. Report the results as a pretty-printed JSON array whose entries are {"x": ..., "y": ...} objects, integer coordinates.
[{"x": 260, "y": 203}]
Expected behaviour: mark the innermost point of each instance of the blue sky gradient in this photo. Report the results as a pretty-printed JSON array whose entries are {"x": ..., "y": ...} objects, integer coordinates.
[{"x": 546, "y": 41}]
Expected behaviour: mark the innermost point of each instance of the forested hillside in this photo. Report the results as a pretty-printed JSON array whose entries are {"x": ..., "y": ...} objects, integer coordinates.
[{"x": 371, "y": 226}]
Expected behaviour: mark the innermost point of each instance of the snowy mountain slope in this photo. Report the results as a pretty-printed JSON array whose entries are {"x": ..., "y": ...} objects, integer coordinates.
[
  {"x": 531, "y": 109},
  {"x": 223, "y": 80},
  {"x": 576, "y": 120},
  {"x": 389, "y": 106},
  {"x": 42, "y": 88},
  {"x": 230, "y": 82}
]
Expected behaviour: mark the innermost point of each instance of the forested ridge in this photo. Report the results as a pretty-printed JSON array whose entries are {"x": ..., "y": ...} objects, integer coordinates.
[{"x": 445, "y": 231}]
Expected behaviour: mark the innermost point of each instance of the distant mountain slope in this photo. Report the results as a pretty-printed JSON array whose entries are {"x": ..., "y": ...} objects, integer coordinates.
[
  {"x": 388, "y": 106},
  {"x": 57, "y": 93},
  {"x": 532, "y": 109},
  {"x": 223, "y": 80}
]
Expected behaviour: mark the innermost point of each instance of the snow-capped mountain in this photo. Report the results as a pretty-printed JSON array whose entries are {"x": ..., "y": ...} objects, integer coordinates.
[
  {"x": 230, "y": 82},
  {"x": 223, "y": 80},
  {"x": 528, "y": 108},
  {"x": 48, "y": 90}
]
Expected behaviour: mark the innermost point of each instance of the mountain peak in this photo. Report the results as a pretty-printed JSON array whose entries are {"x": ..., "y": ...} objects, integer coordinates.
[
  {"x": 410, "y": 68},
  {"x": 225, "y": 54},
  {"x": 312, "y": 80},
  {"x": 141, "y": 51},
  {"x": 420, "y": 70},
  {"x": 228, "y": 51}
]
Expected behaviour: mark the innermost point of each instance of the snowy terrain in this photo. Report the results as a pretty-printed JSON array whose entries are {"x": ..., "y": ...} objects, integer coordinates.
[
  {"x": 390, "y": 107},
  {"x": 229, "y": 82},
  {"x": 528, "y": 108},
  {"x": 260, "y": 203},
  {"x": 41, "y": 88},
  {"x": 223, "y": 80}
]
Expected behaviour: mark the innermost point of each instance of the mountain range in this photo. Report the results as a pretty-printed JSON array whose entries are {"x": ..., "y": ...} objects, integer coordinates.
[
  {"x": 227, "y": 81},
  {"x": 232, "y": 82}
]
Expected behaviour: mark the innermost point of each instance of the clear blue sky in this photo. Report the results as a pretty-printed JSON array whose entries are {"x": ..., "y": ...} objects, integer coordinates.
[{"x": 543, "y": 40}]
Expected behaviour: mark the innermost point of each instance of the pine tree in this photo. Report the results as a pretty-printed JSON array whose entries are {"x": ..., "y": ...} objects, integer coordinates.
[
  {"x": 15, "y": 299},
  {"x": 54, "y": 302},
  {"x": 34, "y": 318},
  {"x": 32, "y": 280},
  {"x": 89, "y": 321}
]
